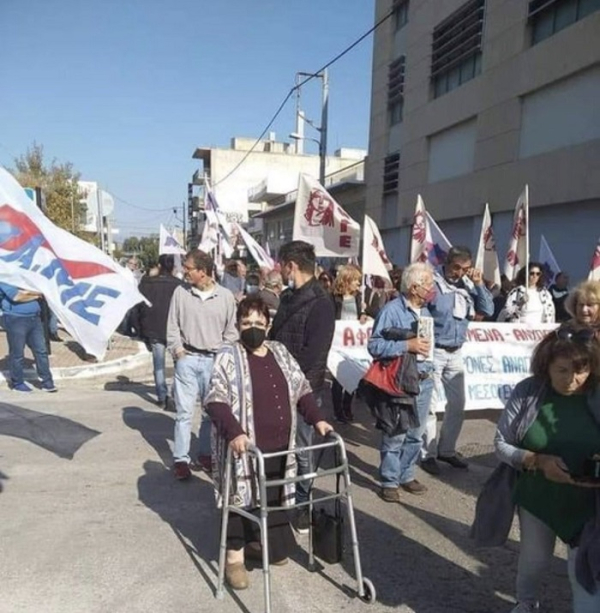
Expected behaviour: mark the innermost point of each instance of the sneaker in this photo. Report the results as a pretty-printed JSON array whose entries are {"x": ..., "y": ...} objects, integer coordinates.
[
  {"x": 390, "y": 494},
  {"x": 301, "y": 522},
  {"x": 456, "y": 461},
  {"x": 21, "y": 387},
  {"x": 430, "y": 465},
  {"x": 49, "y": 387},
  {"x": 523, "y": 607},
  {"x": 182, "y": 471},
  {"x": 414, "y": 487},
  {"x": 169, "y": 405}
]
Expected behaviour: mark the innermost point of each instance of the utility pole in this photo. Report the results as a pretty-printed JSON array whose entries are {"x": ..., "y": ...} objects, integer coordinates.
[{"x": 323, "y": 130}]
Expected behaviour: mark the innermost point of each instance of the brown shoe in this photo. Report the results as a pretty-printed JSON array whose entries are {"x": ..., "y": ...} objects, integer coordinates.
[
  {"x": 390, "y": 494},
  {"x": 182, "y": 471},
  {"x": 202, "y": 463},
  {"x": 414, "y": 487},
  {"x": 236, "y": 576}
]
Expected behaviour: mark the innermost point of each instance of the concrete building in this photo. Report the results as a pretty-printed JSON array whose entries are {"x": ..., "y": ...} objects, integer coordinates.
[
  {"x": 245, "y": 180},
  {"x": 471, "y": 99}
]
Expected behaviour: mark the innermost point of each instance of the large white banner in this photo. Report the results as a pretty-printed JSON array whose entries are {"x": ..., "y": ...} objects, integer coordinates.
[
  {"x": 88, "y": 291},
  {"x": 496, "y": 357}
]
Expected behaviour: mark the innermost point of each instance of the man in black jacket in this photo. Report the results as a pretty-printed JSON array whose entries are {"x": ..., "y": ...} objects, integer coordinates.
[
  {"x": 304, "y": 323},
  {"x": 151, "y": 322}
]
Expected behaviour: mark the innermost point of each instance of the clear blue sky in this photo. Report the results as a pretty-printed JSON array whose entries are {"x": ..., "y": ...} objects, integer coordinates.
[{"x": 127, "y": 89}]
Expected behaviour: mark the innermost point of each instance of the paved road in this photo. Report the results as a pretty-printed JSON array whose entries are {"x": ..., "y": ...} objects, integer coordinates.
[{"x": 92, "y": 522}]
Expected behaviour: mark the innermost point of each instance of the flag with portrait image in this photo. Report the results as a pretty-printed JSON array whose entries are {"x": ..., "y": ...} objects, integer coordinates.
[
  {"x": 517, "y": 254},
  {"x": 428, "y": 242},
  {"x": 86, "y": 289},
  {"x": 487, "y": 256},
  {"x": 322, "y": 222}
]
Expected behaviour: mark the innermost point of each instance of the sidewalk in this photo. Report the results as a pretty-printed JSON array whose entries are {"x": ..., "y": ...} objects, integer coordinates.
[{"x": 68, "y": 360}]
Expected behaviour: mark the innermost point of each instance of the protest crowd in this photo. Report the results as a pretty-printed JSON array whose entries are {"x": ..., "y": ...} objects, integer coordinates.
[{"x": 250, "y": 341}]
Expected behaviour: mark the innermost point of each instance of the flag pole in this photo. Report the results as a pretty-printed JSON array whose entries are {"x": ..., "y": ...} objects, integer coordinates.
[{"x": 526, "y": 220}]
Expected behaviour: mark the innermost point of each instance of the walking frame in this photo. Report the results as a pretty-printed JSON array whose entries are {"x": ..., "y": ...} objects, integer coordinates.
[{"x": 364, "y": 588}]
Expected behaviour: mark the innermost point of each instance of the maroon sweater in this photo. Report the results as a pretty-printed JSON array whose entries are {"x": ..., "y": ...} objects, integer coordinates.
[{"x": 272, "y": 418}]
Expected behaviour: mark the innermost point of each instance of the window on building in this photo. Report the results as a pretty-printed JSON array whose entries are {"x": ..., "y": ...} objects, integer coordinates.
[
  {"x": 456, "y": 48},
  {"x": 400, "y": 14},
  {"x": 396, "y": 89},
  {"x": 547, "y": 17},
  {"x": 391, "y": 172}
]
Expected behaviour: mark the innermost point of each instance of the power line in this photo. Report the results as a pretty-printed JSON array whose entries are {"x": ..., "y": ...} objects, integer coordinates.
[
  {"x": 137, "y": 206},
  {"x": 293, "y": 89}
]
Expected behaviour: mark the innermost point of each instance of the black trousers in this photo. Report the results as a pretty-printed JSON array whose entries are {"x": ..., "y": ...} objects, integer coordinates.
[
  {"x": 241, "y": 531},
  {"x": 342, "y": 402}
]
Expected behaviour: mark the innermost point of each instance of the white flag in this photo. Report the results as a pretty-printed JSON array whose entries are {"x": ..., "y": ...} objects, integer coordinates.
[
  {"x": 428, "y": 242},
  {"x": 375, "y": 260},
  {"x": 258, "y": 253},
  {"x": 88, "y": 291},
  {"x": 487, "y": 256},
  {"x": 548, "y": 261},
  {"x": 517, "y": 254},
  {"x": 322, "y": 222},
  {"x": 168, "y": 244},
  {"x": 595, "y": 265},
  {"x": 216, "y": 231}
]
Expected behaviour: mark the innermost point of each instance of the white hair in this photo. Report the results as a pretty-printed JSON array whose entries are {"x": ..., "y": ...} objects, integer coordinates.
[{"x": 415, "y": 274}]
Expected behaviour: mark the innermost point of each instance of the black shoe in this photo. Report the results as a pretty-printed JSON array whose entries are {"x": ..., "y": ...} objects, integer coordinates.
[
  {"x": 169, "y": 405},
  {"x": 456, "y": 461},
  {"x": 301, "y": 521},
  {"x": 55, "y": 338},
  {"x": 430, "y": 465}
]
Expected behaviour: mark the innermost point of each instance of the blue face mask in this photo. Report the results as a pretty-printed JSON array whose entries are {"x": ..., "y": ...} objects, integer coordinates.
[
  {"x": 290, "y": 283},
  {"x": 251, "y": 289}
]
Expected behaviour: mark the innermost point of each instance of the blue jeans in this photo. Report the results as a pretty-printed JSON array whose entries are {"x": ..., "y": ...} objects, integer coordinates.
[
  {"x": 158, "y": 364},
  {"x": 535, "y": 556},
  {"x": 304, "y": 461},
  {"x": 192, "y": 378},
  {"x": 449, "y": 372},
  {"x": 26, "y": 331},
  {"x": 399, "y": 454}
]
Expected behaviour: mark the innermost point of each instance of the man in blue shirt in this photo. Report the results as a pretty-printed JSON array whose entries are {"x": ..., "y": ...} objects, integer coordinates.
[
  {"x": 461, "y": 293},
  {"x": 23, "y": 325},
  {"x": 399, "y": 453}
]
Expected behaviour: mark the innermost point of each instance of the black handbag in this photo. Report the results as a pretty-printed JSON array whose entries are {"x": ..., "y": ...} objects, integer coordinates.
[{"x": 328, "y": 528}]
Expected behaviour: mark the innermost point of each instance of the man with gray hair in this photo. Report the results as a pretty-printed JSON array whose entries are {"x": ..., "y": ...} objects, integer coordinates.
[
  {"x": 408, "y": 314},
  {"x": 460, "y": 295}
]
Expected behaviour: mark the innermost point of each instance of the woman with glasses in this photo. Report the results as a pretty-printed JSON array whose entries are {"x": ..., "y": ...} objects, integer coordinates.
[
  {"x": 583, "y": 303},
  {"x": 257, "y": 394},
  {"x": 548, "y": 431},
  {"x": 529, "y": 303}
]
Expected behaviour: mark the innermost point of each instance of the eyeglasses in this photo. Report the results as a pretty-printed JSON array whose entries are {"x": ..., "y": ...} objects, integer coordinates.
[
  {"x": 535, "y": 273},
  {"x": 582, "y": 336},
  {"x": 189, "y": 268}
]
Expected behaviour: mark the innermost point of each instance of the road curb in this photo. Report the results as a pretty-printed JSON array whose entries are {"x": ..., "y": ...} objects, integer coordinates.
[{"x": 142, "y": 358}]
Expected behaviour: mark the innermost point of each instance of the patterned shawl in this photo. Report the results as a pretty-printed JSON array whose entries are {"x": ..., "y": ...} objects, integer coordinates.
[{"x": 231, "y": 383}]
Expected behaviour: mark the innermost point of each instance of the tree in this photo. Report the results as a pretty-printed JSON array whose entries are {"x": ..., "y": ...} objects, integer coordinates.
[
  {"x": 144, "y": 248},
  {"x": 59, "y": 183}
]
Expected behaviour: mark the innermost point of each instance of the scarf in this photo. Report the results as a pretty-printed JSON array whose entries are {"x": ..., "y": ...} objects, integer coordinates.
[{"x": 464, "y": 307}]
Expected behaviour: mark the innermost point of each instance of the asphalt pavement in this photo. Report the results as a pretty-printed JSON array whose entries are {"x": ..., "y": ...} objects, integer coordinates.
[{"x": 92, "y": 521}]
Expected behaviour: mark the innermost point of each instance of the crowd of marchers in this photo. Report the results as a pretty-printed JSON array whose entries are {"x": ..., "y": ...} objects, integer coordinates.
[{"x": 252, "y": 348}]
